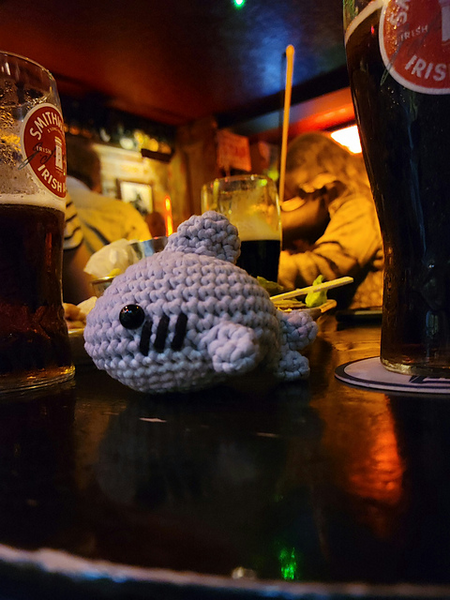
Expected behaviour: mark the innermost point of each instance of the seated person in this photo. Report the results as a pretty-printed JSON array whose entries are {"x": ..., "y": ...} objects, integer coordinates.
[
  {"x": 76, "y": 286},
  {"x": 330, "y": 225},
  {"x": 103, "y": 219}
]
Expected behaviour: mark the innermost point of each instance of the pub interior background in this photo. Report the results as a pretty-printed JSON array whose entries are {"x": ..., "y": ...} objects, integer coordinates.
[
  {"x": 158, "y": 85},
  {"x": 161, "y": 86}
]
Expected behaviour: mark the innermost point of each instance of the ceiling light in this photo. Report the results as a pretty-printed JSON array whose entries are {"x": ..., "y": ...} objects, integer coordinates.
[{"x": 348, "y": 137}]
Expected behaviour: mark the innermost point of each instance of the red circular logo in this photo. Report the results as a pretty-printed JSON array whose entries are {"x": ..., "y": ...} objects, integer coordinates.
[
  {"x": 44, "y": 146},
  {"x": 415, "y": 43}
]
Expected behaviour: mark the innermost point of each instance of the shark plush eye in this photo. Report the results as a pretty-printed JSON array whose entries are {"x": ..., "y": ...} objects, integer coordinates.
[{"x": 132, "y": 316}]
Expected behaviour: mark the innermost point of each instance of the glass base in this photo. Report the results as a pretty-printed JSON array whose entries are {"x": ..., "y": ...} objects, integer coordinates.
[
  {"x": 32, "y": 382},
  {"x": 421, "y": 370}
]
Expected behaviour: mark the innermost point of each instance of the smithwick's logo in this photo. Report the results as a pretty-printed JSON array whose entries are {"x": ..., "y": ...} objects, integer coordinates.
[
  {"x": 415, "y": 43},
  {"x": 44, "y": 147}
]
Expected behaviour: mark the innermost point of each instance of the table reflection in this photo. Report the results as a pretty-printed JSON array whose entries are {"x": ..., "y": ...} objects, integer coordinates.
[
  {"x": 36, "y": 469},
  {"x": 312, "y": 481}
]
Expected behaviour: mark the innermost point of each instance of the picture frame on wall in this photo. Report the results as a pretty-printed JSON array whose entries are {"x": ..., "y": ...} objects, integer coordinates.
[{"x": 136, "y": 193}]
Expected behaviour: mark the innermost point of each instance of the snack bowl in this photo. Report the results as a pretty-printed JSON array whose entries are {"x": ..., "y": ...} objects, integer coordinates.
[{"x": 101, "y": 284}]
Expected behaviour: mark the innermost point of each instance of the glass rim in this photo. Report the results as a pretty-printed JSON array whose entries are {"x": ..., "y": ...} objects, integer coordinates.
[
  {"x": 30, "y": 61},
  {"x": 243, "y": 177}
]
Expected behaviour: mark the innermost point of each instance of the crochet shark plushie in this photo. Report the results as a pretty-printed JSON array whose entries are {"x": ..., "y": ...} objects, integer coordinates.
[{"x": 187, "y": 318}]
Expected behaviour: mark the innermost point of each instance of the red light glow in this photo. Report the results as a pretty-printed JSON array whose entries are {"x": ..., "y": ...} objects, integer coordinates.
[{"x": 169, "y": 219}]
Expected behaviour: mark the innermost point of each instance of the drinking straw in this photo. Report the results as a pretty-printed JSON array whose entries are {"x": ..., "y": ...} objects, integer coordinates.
[{"x": 287, "y": 103}]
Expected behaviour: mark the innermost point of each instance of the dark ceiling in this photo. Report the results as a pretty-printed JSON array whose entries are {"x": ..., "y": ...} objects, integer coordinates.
[{"x": 176, "y": 61}]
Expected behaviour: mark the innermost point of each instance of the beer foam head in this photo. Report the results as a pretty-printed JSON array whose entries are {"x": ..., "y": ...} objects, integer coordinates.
[{"x": 37, "y": 199}]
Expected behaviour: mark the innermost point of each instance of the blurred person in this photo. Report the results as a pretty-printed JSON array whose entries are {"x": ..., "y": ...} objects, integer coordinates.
[
  {"x": 76, "y": 283},
  {"x": 103, "y": 219},
  {"x": 329, "y": 220},
  {"x": 156, "y": 224}
]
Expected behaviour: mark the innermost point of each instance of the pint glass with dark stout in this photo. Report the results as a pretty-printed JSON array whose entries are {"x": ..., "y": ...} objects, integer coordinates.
[
  {"x": 34, "y": 343},
  {"x": 398, "y": 56},
  {"x": 250, "y": 202}
]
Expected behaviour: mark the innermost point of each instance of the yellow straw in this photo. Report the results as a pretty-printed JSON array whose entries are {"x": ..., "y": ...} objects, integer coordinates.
[{"x": 287, "y": 103}]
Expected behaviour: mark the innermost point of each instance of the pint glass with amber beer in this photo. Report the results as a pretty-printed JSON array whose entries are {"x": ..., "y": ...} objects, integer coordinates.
[
  {"x": 34, "y": 344},
  {"x": 398, "y": 56}
]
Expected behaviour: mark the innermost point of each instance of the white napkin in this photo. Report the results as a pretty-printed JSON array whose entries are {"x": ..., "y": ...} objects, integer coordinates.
[{"x": 114, "y": 257}]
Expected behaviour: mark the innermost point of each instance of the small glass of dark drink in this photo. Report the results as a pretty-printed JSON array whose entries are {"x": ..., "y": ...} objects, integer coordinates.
[{"x": 251, "y": 203}]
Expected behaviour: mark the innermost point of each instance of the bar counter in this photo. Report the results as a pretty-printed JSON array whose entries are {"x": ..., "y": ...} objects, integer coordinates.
[{"x": 253, "y": 489}]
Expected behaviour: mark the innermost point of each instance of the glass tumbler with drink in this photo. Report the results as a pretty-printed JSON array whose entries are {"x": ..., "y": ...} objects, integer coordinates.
[
  {"x": 250, "y": 202},
  {"x": 398, "y": 57},
  {"x": 34, "y": 343}
]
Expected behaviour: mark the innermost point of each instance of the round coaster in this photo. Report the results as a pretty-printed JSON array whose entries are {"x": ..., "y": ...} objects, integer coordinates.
[{"x": 370, "y": 373}]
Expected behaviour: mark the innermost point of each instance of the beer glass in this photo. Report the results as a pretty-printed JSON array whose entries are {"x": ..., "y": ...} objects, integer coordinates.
[
  {"x": 34, "y": 343},
  {"x": 250, "y": 202},
  {"x": 398, "y": 59}
]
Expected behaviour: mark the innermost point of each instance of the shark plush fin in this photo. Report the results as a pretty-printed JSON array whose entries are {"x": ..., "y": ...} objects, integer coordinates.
[
  {"x": 233, "y": 348},
  {"x": 210, "y": 234}
]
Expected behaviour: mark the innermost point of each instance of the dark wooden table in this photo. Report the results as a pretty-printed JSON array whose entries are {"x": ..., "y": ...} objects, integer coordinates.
[{"x": 250, "y": 490}]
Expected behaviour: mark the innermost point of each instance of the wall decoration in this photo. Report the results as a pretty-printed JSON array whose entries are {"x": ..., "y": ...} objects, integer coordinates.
[{"x": 139, "y": 194}]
